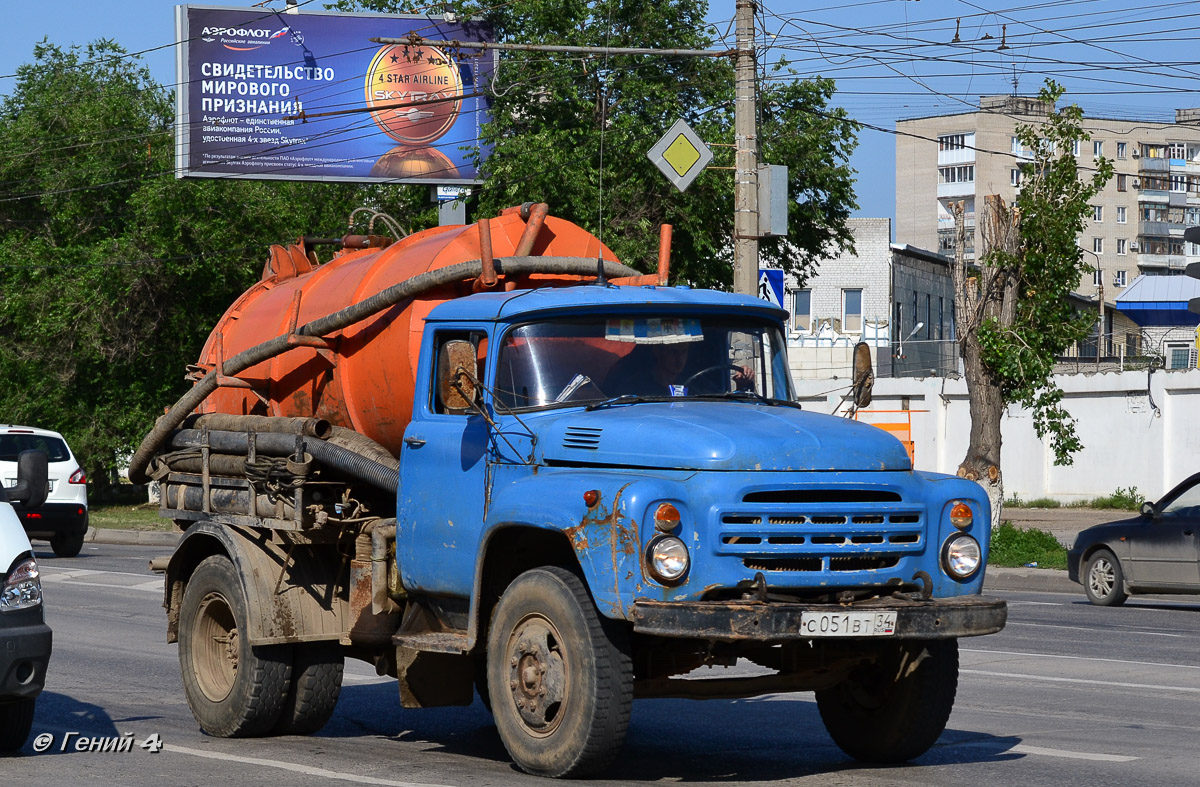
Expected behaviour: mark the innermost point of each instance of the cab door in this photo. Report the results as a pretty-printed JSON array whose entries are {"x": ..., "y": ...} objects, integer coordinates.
[
  {"x": 1165, "y": 551},
  {"x": 443, "y": 478}
]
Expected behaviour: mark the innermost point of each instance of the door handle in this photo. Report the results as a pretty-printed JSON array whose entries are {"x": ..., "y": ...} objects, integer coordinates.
[{"x": 414, "y": 442}]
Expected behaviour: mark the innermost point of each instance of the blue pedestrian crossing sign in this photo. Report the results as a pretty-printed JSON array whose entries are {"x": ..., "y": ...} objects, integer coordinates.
[{"x": 770, "y": 286}]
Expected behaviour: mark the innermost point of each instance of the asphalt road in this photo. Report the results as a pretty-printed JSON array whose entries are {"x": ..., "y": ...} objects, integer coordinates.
[{"x": 1068, "y": 694}]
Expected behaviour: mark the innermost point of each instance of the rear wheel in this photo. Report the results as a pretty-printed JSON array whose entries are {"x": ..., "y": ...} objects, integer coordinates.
[
  {"x": 560, "y": 677},
  {"x": 67, "y": 544},
  {"x": 16, "y": 720},
  {"x": 893, "y": 709},
  {"x": 234, "y": 689},
  {"x": 314, "y": 688},
  {"x": 1103, "y": 580}
]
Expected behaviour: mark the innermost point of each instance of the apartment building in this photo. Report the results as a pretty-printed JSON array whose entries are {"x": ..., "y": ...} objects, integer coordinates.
[{"x": 1136, "y": 223}]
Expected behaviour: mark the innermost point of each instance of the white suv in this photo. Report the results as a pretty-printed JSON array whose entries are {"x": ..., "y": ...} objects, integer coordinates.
[
  {"x": 63, "y": 520},
  {"x": 25, "y": 639}
]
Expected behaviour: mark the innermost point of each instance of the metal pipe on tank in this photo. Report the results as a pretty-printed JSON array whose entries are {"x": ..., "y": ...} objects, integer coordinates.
[
  {"x": 537, "y": 217},
  {"x": 664, "y": 253}
]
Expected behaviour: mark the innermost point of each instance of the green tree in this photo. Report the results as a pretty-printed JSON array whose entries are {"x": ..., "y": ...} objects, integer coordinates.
[
  {"x": 573, "y": 131},
  {"x": 1013, "y": 315},
  {"x": 112, "y": 271}
]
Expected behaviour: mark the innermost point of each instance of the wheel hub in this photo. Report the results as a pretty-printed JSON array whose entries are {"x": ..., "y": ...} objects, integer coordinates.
[
  {"x": 537, "y": 674},
  {"x": 1102, "y": 579}
]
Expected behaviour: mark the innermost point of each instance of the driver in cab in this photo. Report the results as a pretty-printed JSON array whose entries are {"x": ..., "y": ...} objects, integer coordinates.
[{"x": 664, "y": 370}]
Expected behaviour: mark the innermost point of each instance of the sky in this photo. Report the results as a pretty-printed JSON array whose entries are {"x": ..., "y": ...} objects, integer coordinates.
[{"x": 892, "y": 59}]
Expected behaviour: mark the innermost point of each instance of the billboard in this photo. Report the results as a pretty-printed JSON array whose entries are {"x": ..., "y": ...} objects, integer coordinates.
[{"x": 306, "y": 96}]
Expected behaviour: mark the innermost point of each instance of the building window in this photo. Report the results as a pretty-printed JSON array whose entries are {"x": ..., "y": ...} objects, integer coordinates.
[
  {"x": 1119, "y": 278},
  {"x": 928, "y": 319},
  {"x": 1180, "y": 355},
  {"x": 952, "y": 142},
  {"x": 941, "y": 330},
  {"x": 851, "y": 311},
  {"x": 1178, "y": 150},
  {"x": 1098, "y": 245},
  {"x": 1075, "y": 148},
  {"x": 1014, "y": 177},
  {"x": 802, "y": 309},
  {"x": 1122, "y": 149},
  {"x": 1122, "y": 246},
  {"x": 1016, "y": 145},
  {"x": 964, "y": 174},
  {"x": 1097, "y": 213},
  {"x": 1097, "y": 278},
  {"x": 1179, "y": 183},
  {"x": 1097, "y": 148},
  {"x": 1122, "y": 214},
  {"x": 1122, "y": 182}
]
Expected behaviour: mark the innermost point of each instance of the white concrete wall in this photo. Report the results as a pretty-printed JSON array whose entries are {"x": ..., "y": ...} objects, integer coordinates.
[{"x": 1127, "y": 441}]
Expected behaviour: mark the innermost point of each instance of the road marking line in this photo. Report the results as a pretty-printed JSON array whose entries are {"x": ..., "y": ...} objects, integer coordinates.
[
  {"x": 154, "y": 584},
  {"x": 1078, "y": 658},
  {"x": 1085, "y": 681},
  {"x": 1035, "y": 603},
  {"x": 366, "y": 678},
  {"x": 1092, "y": 628},
  {"x": 293, "y": 767},
  {"x": 1021, "y": 748},
  {"x": 156, "y": 589}
]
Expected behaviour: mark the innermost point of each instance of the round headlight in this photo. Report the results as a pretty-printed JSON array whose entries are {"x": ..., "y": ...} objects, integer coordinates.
[
  {"x": 961, "y": 556},
  {"x": 667, "y": 558}
]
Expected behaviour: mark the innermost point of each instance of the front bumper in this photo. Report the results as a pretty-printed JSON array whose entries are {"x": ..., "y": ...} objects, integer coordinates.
[
  {"x": 53, "y": 519},
  {"x": 758, "y": 621},
  {"x": 25, "y": 642}
]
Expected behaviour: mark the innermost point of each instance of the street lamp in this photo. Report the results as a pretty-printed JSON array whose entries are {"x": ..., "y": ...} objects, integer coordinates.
[{"x": 900, "y": 344}]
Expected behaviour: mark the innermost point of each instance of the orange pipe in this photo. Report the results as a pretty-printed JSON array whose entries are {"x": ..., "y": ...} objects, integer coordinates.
[
  {"x": 664, "y": 253},
  {"x": 537, "y": 217}
]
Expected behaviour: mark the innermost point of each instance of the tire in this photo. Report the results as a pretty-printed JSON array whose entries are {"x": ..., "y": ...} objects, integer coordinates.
[
  {"x": 894, "y": 709},
  {"x": 67, "y": 544},
  {"x": 549, "y": 649},
  {"x": 313, "y": 689},
  {"x": 234, "y": 689},
  {"x": 1103, "y": 580},
  {"x": 16, "y": 720}
]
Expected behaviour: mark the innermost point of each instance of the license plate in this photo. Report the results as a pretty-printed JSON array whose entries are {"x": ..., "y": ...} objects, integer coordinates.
[{"x": 848, "y": 624}]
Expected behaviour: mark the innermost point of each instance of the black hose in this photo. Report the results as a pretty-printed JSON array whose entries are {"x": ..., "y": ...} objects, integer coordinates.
[
  {"x": 576, "y": 266},
  {"x": 277, "y": 444}
]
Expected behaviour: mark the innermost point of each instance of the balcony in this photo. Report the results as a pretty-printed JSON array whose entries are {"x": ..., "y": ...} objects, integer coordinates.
[
  {"x": 1156, "y": 228},
  {"x": 963, "y": 189},
  {"x": 1154, "y": 164},
  {"x": 1162, "y": 262}
]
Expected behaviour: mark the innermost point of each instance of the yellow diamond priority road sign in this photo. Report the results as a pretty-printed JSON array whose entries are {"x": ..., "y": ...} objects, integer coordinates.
[{"x": 680, "y": 155}]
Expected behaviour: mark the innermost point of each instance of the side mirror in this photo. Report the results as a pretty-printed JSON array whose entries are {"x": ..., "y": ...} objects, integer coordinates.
[
  {"x": 864, "y": 376},
  {"x": 456, "y": 376},
  {"x": 32, "y": 474},
  {"x": 1148, "y": 509}
]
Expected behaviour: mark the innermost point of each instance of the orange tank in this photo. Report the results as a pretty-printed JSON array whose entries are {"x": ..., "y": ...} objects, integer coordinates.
[{"x": 363, "y": 379}]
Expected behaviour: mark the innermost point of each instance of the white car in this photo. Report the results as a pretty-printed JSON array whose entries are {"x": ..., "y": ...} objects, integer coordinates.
[
  {"x": 25, "y": 639},
  {"x": 63, "y": 520}
]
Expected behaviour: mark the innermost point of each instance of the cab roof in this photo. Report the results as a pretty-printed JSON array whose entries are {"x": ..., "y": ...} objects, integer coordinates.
[{"x": 519, "y": 305}]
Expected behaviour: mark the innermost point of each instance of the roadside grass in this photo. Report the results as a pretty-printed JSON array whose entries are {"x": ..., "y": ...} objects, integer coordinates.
[
  {"x": 1015, "y": 547},
  {"x": 128, "y": 517},
  {"x": 1121, "y": 500}
]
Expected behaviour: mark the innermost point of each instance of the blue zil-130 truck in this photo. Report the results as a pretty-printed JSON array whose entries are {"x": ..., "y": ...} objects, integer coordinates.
[{"x": 506, "y": 477}]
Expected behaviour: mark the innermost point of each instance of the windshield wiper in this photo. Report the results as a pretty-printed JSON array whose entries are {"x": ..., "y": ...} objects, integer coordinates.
[
  {"x": 755, "y": 396},
  {"x": 629, "y": 399}
]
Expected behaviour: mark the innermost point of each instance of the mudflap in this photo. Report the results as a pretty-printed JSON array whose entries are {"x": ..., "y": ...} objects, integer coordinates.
[{"x": 295, "y": 592}]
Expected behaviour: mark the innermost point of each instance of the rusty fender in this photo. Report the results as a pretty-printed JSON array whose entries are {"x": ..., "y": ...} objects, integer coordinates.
[
  {"x": 743, "y": 621},
  {"x": 293, "y": 591}
]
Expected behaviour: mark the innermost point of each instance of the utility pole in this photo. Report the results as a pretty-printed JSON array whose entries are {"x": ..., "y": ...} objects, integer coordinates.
[{"x": 745, "y": 224}]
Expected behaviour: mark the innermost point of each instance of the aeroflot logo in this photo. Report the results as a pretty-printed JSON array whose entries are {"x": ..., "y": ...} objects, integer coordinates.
[{"x": 241, "y": 39}]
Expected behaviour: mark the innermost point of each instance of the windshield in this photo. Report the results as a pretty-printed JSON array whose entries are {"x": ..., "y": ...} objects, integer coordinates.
[{"x": 585, "y": 361}]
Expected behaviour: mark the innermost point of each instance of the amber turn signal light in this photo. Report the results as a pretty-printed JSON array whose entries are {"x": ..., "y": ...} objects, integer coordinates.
[
  {"x": 591, "y": 496},
  {"x": 961, "y": 516},
  {"x": 666, "y": 517}
]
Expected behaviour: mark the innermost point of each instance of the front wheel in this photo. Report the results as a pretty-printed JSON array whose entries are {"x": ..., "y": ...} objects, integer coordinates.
[
  {"x": 16, "y": 719},
  {"x": 894, "y": 708},
  {"x": 1103, "y": 580},
  {"x": 559, "y": 676},
  {"x": 233, "y": 688}
]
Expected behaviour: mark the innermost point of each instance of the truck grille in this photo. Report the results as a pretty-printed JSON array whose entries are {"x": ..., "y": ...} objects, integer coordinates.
[{"x": 811, "y": 530}]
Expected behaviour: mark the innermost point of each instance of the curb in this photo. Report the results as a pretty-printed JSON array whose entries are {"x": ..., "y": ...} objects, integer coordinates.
[
  {"x": 1044, "y": 579},
  {"x": 131, "y": 537}
]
